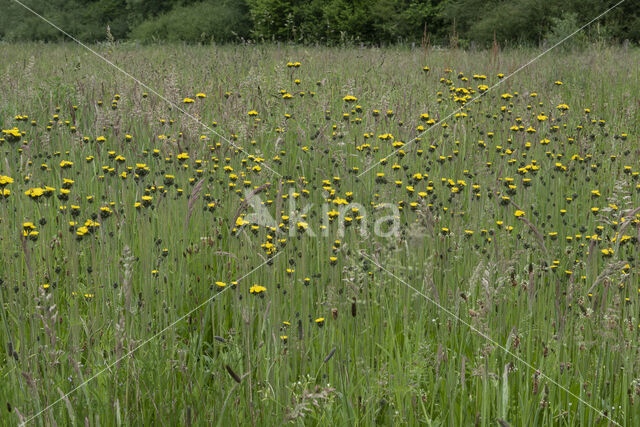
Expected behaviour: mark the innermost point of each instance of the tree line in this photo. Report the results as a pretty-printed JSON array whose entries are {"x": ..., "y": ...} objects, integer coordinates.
[{"x": 330, "y": 22}]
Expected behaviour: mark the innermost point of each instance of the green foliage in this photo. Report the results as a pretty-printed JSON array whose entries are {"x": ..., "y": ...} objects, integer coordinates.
[
  {"x": 85, "y": 20},
  {"x": 271, "y": 18},
  {"x": 513, "y": 21},
  {"x": 219, "y": 21},
  {"x": 562, "y": 28},
  {"x": 533, "y": 21},
  {"x": 330, "y": 22},
  {"x": 337, "y": 21}
]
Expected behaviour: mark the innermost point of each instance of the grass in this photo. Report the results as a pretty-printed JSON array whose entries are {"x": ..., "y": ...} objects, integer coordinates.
[{"x": 144, "y": 281}]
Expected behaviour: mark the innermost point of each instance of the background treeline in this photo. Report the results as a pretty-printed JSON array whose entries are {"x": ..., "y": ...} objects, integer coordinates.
[{"x": 438, "y": 22}]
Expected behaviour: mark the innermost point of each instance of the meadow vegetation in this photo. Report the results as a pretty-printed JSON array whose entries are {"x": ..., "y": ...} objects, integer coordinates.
[{"x": 129, "y": 258}]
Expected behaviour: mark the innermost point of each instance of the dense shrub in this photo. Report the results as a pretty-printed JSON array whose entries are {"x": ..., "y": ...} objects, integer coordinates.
[
  {"x": 219, "y": 21},
  {"x": 324, "y": 21}
]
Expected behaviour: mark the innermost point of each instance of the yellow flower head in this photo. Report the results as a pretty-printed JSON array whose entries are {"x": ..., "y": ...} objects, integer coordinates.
[{"x": 257, "y": 289}]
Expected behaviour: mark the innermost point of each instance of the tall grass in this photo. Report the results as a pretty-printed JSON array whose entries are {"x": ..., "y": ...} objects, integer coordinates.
[{"x": 383, "y": 354}]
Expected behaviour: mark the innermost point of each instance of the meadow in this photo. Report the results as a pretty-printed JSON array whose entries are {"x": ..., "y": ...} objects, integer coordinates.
[{"x": 436, "y": 257}]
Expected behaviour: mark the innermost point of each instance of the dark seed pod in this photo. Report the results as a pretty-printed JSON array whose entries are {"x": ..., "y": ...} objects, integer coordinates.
[
  {"x": 233, "y": 374},
  {"x": 330, "y": 355}
]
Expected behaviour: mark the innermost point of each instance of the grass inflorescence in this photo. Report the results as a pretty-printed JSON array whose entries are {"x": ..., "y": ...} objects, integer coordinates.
[{"x": 123, "y": 219}]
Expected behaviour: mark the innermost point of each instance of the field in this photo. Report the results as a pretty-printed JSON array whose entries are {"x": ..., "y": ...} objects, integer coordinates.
[{"x": 319, "y": 236}]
